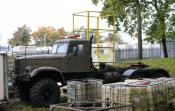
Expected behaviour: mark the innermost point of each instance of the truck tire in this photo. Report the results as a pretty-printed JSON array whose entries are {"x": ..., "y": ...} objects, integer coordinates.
[
  {"x": 44, "y": 92},
  {"x": 23, "y": 91}
]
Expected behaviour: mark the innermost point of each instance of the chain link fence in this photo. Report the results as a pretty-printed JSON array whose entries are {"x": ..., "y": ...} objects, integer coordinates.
[
  {"x": 148, "y": 53},
  {"x": 108, "y": 54}
]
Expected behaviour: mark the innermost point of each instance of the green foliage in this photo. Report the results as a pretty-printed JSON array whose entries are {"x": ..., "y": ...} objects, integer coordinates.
[
  {"x": 155, "y": 17},
  {"x": 162, "y": 24},
  {"x": 124, "y": 13},
  {"x": 163, "y": 20},
  {"x": 127, "y": 14},
  {"x": 95, "y": 2},
  {"x": 21, "y": 36}
]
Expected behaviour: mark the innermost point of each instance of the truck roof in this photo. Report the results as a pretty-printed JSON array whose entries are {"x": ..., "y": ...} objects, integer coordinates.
[{"x": 71, "y": 39}]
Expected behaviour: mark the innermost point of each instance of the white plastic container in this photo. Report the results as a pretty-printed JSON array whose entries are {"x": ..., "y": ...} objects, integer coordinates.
[
  {"x": 131, "y": 81},
  {"x": 76, "y": 90},
  {"x": 93, "y": 89},
  {"x": 106, "y": 92},
  {"x": 156, "y": 92},
  {"x": 170, "y": 89},
  {"x": 126, "y": 93},
  {"x": 87, "y": 89}
]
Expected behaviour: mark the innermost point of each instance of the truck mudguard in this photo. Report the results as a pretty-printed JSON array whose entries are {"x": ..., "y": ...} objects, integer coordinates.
[{"x": 36, "y": 71}]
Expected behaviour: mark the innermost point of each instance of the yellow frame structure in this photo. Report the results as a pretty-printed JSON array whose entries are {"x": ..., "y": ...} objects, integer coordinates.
[{"x": 88, "y": 15}]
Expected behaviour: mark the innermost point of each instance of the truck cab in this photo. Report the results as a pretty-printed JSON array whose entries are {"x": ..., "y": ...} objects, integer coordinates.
[
  {"x": 77, "y": 54},
  {"x": 69, "y": 59}
]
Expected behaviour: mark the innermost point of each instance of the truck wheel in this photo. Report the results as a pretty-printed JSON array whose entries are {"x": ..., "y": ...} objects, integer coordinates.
[
  {"x": 44, "y": 92},
  {"x": 23, "y": 91}
]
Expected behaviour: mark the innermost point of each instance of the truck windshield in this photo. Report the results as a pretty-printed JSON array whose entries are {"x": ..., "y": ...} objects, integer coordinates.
[{"x": 60, "y": 48}]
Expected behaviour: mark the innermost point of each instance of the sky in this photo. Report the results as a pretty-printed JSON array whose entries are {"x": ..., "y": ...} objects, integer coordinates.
[{"x": 35, "y": 13}]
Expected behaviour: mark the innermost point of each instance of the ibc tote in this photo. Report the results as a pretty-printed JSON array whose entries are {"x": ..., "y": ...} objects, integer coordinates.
[
  {"x": 84, "y": 89},
  {"x": 157, "y": 95},
  {"x": 126, "y": 93},
  {"x": 170, "y": 88}
]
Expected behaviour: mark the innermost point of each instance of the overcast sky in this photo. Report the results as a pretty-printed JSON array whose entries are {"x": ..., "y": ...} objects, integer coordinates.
[{"x": 34, "y": 13}]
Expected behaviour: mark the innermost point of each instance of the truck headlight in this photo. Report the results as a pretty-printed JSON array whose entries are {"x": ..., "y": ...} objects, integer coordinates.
[{"x": 29, "y": 69}]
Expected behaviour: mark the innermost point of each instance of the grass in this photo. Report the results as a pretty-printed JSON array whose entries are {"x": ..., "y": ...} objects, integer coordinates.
[
  {"x": 165, "y": 63},
  {"x": 17, "y": 105}
]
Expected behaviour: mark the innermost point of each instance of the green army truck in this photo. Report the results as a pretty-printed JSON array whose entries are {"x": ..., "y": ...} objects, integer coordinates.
[{"x": 37, "y": 76}]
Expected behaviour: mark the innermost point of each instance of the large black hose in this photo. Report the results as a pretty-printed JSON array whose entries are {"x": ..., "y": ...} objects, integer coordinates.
[{"x": 92, "y": 66}]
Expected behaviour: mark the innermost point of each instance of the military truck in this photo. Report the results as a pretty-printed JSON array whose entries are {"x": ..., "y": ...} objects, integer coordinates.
[{"x": 37, "y": 76}]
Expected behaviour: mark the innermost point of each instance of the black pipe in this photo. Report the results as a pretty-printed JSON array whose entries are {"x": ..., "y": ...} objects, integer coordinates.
[{"x": 91, "y": 38}]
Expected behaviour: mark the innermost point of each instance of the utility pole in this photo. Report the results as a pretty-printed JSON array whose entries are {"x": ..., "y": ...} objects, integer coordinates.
[{"x": 45, "y": 40}]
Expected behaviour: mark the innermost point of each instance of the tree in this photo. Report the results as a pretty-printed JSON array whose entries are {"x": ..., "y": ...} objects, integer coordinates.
[
  {"x": 126, "y": 12},
  {"x": 62, "y": 33},
  {"x": 155, "y": 17},
  {"x": 21, "y": 36},
  {"x": 48, "y": 35},
  {"x": 162, "y": 25}
]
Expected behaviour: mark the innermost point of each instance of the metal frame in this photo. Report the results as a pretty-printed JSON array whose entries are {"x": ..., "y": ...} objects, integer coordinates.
[
  {"x": 87, "y": 15},
  {"x": 108, "y": 105}
]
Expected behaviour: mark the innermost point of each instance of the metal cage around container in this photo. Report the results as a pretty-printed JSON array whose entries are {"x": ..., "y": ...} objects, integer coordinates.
[
  {"x": 143, "y": 95},
  {"x": 92, "y": 105},
  {"x": 84, "y": 89}
]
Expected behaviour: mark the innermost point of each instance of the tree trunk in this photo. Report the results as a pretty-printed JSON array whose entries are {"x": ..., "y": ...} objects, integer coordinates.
[
  {"x": 164, "y": 47},
  {"x": 162, "y": 21},
  {"x": 139, "y": 29}
]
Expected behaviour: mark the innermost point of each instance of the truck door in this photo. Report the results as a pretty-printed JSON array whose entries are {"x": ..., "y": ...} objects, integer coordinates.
[{"x": 79, "y": 58}]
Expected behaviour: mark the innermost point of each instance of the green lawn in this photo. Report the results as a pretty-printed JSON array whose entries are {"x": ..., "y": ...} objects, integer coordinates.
[
  {"x": 167, "y": 64},
  {"x": 17, "y": 105}
]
